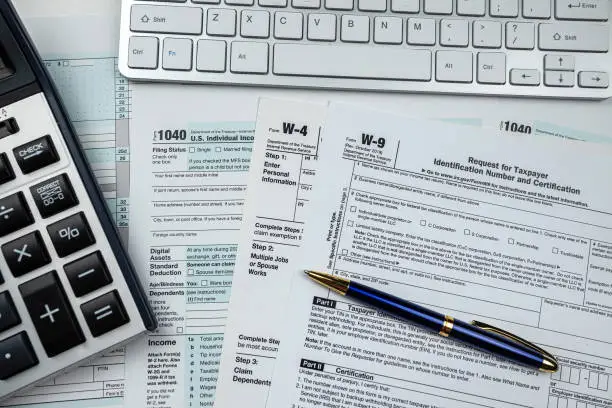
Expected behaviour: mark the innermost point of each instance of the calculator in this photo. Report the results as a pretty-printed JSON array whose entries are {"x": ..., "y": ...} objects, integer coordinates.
[{"x": 68, "y": 291}]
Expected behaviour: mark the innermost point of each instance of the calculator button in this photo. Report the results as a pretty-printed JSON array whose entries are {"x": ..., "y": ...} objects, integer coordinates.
[
  {"x": 1, "y": 279},
  {"x": 16, "y": 355},
  {"x": 36, "y": 154},
  {"x": 104, "y": 313},
  {"x": 54, "y": 195},
  {"x": 8, "y": 314},
  {"x": 14, "y": 214},
  {"x": 25, "y": 254},
  {"x": 88, "y": 274},
  {"x": 51, "y": 314},
  {"x": 71, "y": 234},
  {"x": 6, "y": 171}
]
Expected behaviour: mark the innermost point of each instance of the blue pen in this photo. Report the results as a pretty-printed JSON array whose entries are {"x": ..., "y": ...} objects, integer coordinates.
[{"x": 480, "y": 335}]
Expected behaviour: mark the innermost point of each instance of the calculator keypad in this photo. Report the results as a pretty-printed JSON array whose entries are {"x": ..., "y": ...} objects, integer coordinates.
[
  {"x": 88, "y": 274},
  {"x": 25, "y": 254},
  {"x": 6, "y": 171},
  {"x": 14, "y": 214},
  {"x": 63, "y": 297},
  {"x": 36, "y": 154},
  {"x": 8, "y": 313},
  {"x": 54, "y": 195},
  {"x": 71, "y": 234},
  {"x": 104, "y": 313},
  {"x": 16, "y": 355},
  {"x": 51, "y": 314}
]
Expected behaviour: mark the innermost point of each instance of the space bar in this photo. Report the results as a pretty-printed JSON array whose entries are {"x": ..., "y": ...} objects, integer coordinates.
[{"x": 342, "y": 61}]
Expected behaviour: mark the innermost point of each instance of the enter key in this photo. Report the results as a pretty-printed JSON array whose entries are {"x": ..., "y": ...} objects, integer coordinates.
[{"x": 594, "y": 10}]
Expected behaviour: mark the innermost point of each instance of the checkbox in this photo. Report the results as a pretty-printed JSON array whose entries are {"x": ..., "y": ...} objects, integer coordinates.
[
  {"x": 353, "y": 208},
  {"x": 179, "y": 329},
  {"x": 350, "y": 223},
  {"x": 190, "y": 272},
  {"x": 423, "y": 223},
  {"x": 555, "y": 250},
  {"x": 204, "y": 283},
  {"x": 192, "y": 150},
  {"x": 218, "y": 149},
  {"x": 466, "y": 231},
  {"x": 345, "y": 252},
  {"x": 511, "y": 241}
]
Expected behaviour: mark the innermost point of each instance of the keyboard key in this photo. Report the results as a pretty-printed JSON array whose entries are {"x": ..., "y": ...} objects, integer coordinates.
[
  {"x": 355, "y": 29},
  {"x": 50, "y": 311},
  {"x": 372, "y": 5},
  {"x": 454, "y": 33},
  {"x": 14, "y": 214},
  {"x": 491, "y": 68},
  {"x": 71, "y": 234},
  {"x": 6, "y": 171},
  {"x": 105, "y": 313},
  {"x": 504, "y": 8},
  {"x": 388, "y": 30},
  {"x": 288, "y": 26},
  {"x": 405, "y": 6},
  {"x": 343, "y": 61},
  {"x": 249, "y": 57},
  {"x": 36, "y": 154},
  {"x": 8, "y": 313},
  {"x": 273, "y": 3},
  {"x": 54, "y": 195},
  {"x": 240, "y": 2},
  {"x": 221, "y": 22},
  {"x": 574, "y": 37},
  {"x": 528, "y": 77},
  {"x": 339, "y": 4},
  {"x": 322, "y": 27},
  {"x": 16, "y": 355},
  {"x": 209, "y": 2},
  {"x": 593, "y": 79},
  {"x": 471, "y": 7},
  {"x": 166, "y": 19},
  {"x": 454, "y": 66},
  {"x": 595, "y": 10},
  {"x": 143, "y": 52},
  {"x": 421, "y": 31},
  {"x": 563, "y": 79},
  {"x": 487, "y": 34},
  {"x": 520, "y": 36},
  {"x": 559, "y": 62},
  {"x": 536, "y": 9},
  {"x": 88, "y": 274},
  {"x": 25, "y": 254},
  {"x": 211, "y": 56},
  {"x": 254, "y": 24},
  {"x": 306, "y": 4},
  {"x": 438, "y": 6},
  {"x": 177, "y": 54}
]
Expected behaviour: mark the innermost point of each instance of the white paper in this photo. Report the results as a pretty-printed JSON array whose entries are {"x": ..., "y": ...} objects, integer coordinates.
[{"x": 514, "y": 232}]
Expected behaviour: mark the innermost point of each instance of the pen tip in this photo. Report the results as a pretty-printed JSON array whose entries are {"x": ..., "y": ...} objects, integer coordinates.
[{"x": 307, "y": 272}]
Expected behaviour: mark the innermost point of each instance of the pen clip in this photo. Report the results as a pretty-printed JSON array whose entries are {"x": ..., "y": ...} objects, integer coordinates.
[{"x": 514, "y": 337}]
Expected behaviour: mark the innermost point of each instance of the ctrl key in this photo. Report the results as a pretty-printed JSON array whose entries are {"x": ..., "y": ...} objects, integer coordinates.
[{"x": 16, "y": 355}]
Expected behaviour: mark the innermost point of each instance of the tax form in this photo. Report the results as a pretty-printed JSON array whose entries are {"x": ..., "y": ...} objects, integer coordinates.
[{"x": 516, "y": 233}]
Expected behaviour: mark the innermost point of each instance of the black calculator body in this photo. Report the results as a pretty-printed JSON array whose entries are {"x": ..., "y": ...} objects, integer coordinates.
[{"x": 68, "y": 291}]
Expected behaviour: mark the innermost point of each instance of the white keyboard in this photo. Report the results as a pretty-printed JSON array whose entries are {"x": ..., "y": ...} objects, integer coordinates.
[{"x": 538, "y": 48}]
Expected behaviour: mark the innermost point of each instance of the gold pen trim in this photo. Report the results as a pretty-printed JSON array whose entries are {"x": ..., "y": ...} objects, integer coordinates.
[
  {"x": 335, "y": 283},
  {"x": 447, "y": 326},
  {"x": 549, "y": 362}
]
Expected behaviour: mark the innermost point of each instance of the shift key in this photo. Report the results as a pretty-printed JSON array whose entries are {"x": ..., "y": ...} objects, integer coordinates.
[
  {"x": 589, "y": 37},
  {"x": 166, "y": 19}
]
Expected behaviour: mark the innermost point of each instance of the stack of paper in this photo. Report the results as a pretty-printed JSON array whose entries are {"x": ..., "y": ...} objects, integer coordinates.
[{"x": 510, "y": 230}]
